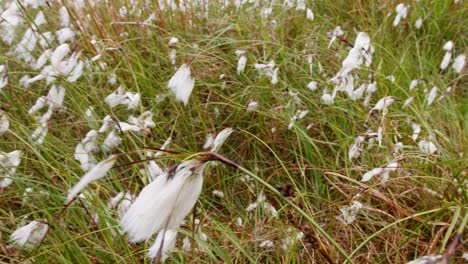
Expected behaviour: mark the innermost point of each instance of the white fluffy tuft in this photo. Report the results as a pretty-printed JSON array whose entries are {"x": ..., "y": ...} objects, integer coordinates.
[
  {"x": 95, "y": 173},
  {"x": 181, "y": 84},
  {"x": 165, "y": 202}
]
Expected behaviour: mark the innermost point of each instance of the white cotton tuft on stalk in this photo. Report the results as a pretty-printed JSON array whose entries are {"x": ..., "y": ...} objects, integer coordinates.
[
  {"x": 459, "y": 63},
  {"x": 300, "y": 5},
  {"x": 12, "y": 17},
  {"x": 25, "y": 46},
  {"x": 164, "y": 203},
  {"x": 349, "y": 213},
  {"x": 64, "y": 17},
  {"x": 153, "y": 168},
  {"x": 140, "y": 125},
  {"x": 337, "y": 32},
  {"x": 448, "y": 47},
  {"x": 418, "y": 23},
  {"x": 242, "y": 61},
  {"x": 181, "y": 84},
  {"x": 309, "y": 14},
  {"x": 298, "y": 116},
  {"x": 8, "y": 164},
  {"x": 432, "y": 95},
  {"x": 408, "y": 102},
  {"x": 56, "y": 95},
  {"x": 95, "y": 173},
  {"x": 383, "y": 103},
  {"x": 173, "y": 41},
  {"x": 261, "y": 201},
  {"x": 291, "y": 239},
  {"x": 356, "y": 148},
  {"x": 402, "y": 12},
  {"x": 4, "y": 122},
  {"x": 268, "y": 70},
  {"x": 23, "y": 81},
  {"x": 41, "y": 102},
  {"x": 39, "y": 134},
  {"x": 380, "y": 135},
  {"x": 371, "y": 89},
  {"x": 163, "y": 147},
  {"x": 360, "y": 53},
  {"x": 312, "y": 86},
  {"x": 310, "y": 60},
  {"x": 29, "y": 235},
  {"x": 209, "y": 141},
  {"x": 218, "y": 193},
  {"x": 41, "y": 61},
  {"x": 416, "y": 130},
  {"x": 327, "y": 99},
  {"x": 111, "y": 142},
  {"x": 121, "y": 97},
  {"x": 384, "y": 172},
  {"x": 65, "y": 35},
  {"x": 86, "y": 159},
  {"x": 427, "y": 147},
  {"x": 221, "y": 138},
  {"x": 45, "y": 39},
  {"x": 413, "y": 84},
  {"x": 173, "y": 58},
  {"x": 252, "y": 106},
  {"x": 359, "y": 92},
  {"x": 267, "y": 244},
  {"x": 59, "y": 54}
]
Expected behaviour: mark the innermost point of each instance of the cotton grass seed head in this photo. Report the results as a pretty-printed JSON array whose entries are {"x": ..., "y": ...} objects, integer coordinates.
[
  {"x": 165, "y": 202},
  {"x": 181, "y": 84},
  {"x": 95, "y": 173},
  {"x": 30, "y": 235}
]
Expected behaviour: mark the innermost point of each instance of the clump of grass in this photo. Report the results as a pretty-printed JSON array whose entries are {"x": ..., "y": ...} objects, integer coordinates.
[{"x": 302, "y": 170}]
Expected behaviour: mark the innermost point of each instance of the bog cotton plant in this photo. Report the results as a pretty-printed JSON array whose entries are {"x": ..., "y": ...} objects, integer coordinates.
[
  {"x": 241, "y": 61},
  {"x": 50, "y": 30},
  {"x": 349, "y": 213},
  {"x": 356, "y": 148},
  {"x": 95, "y": 173},
  {"x": 361, "y": 53},
  {"x": 448, "y": 47},
  {"x": 401, "y": 13},
  {"x": 427, "y": 146},
  {"x": 164, "y": 203},
  {"x": 4, "y": 122},
  {"x": 459, "y": 63},
  {"x": 30, "y": 235},
  {"x": 384, "y": 172},
  {"x": 181, "y": 83},
  {"x": 268, "y": 70},
  {"x": 383, "y": 103},
  {"x": 140, "y": 125},
  {"x": 121, "y": 97},
  {"x": 8, "y": 164},
  {"x": 337, "y": 32}
]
